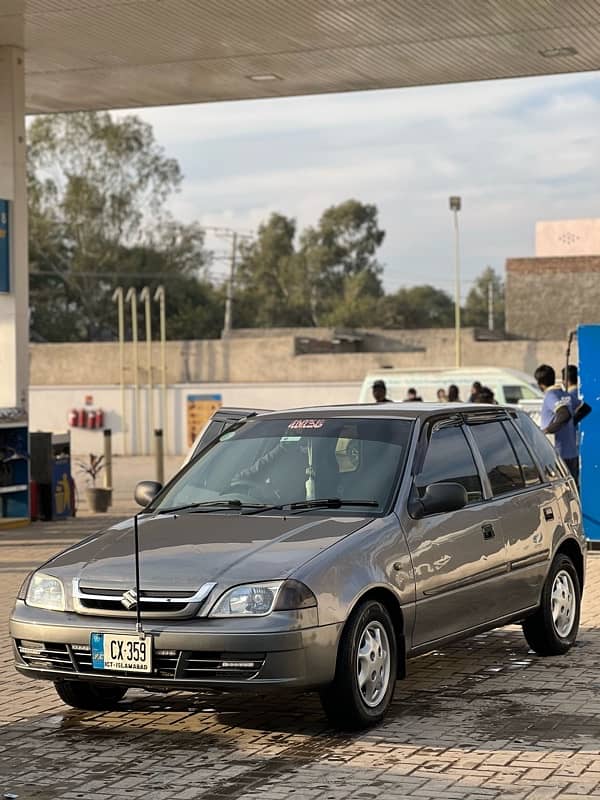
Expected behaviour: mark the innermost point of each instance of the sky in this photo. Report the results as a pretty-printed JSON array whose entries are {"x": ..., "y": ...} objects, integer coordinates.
[{"x": 516, "y": 151}]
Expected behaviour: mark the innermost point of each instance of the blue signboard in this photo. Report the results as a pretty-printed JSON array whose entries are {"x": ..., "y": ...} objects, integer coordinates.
[
  {"x": 588, "y": 340},
  {"x": 4, "y": 248}
]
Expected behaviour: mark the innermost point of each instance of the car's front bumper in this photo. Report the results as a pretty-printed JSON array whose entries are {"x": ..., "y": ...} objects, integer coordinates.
[{"x": 188, "y": 654}]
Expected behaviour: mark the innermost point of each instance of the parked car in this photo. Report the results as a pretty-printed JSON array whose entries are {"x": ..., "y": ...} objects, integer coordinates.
[
  {"x": 508, "y": 385},
  {"x": 316, "y": 549}
]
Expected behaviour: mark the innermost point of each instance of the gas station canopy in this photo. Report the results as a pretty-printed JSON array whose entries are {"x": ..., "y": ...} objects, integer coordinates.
[{"x": 92, "y": 54}]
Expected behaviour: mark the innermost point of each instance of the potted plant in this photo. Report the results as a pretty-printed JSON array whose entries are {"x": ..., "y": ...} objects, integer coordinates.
[{"x": 99, "y": 499}]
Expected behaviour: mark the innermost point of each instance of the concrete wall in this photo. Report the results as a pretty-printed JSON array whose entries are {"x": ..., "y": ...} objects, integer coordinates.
[
  {"x": 49, "y": 408},
  {"x": 548, "y": 297},
  {"x": 270, "y": 359}
]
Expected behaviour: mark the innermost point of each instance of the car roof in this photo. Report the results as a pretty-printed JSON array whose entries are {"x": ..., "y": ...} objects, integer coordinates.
[{"x": 398, "y": 410}]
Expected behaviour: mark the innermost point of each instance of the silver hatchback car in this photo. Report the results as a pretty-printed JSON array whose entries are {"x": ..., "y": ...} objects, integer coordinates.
[{"x": 316, "y": 549}]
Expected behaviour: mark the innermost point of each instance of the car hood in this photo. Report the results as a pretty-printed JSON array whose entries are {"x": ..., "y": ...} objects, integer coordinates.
[{"x": 184, "y": 551}]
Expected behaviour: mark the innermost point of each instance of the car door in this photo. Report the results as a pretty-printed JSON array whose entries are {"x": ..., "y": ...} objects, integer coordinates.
[
  {"x": 459, "y": 558},
  {"x": 536, "y": 518},
  {"x": 527, "y": 508}
]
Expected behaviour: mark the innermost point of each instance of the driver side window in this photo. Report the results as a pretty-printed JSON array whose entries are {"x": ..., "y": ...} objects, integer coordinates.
[{"x": 449, "y": 460}]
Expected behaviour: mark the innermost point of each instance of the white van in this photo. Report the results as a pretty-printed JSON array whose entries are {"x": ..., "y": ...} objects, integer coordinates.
[{"x": 508, "y": 385}]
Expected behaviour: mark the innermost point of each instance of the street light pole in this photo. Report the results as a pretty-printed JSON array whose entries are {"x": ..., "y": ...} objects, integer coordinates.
[{"x": 455, "y": 206}]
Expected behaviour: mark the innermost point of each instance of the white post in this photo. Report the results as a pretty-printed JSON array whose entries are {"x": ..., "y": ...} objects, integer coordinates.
[
  {"x": 118, "y": 298},
  {"x": 131, "y": 297},
  {"x": 145, "y": 299},
  {"x": 491, "y": 305},
  {"x": 14, "y": 303}
]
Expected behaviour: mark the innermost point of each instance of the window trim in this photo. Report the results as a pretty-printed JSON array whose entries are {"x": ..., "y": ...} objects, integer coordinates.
[
  {"x": 510, "y": 422},
  {"x": 500, "y": 419},
  {"x": 546, "y": 480},
  {"x": 422, "y": 445}
]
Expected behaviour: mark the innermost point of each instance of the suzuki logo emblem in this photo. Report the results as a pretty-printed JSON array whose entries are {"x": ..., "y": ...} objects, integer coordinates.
[{"x": 129, "y": 599}]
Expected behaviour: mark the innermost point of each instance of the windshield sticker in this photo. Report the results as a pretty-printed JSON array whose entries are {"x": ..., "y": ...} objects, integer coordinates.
[
  {"x": 290, "y": 439},
  {"x": 227, "y": 435},
  {"x": 306, "y": 424}
]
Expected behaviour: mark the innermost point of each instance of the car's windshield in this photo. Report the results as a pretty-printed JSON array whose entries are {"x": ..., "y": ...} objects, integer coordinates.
[{"x": 276, "y": 462}]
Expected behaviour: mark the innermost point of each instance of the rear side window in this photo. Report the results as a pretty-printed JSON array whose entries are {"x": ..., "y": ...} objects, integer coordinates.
[
  {"x": 211, "y": 432},
  {"x": 530, "y": 472},
  {"x": 539, "y": 444},
  {"x": 500, "y": 461},
  {"x": 449, "y": 459}
]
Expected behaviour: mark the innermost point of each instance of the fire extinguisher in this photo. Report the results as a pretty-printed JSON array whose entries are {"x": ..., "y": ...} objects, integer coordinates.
[
  {"x": 73, "y": 418},
  {"x": 91, "y": 419},
  {"x": 81, "y": 418},
  {"x": 99, "y": 418}
]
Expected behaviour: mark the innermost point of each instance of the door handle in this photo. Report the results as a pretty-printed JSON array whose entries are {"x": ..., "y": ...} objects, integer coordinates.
[
  {"x": 488, "y": 531},
  {"x": 548, "y": 514}
]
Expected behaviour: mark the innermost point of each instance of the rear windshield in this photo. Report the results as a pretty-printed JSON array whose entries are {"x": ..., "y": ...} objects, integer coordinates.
[{"x": 280, "y": 461}]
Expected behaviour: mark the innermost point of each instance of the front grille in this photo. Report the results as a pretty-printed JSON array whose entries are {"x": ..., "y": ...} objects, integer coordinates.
[
  {"x": 164, "y": 662},
  {"x": 148, "y": 607},
  {"x": 187, "y": 665},
  {"x": 108, "y": 602},
  {"x": 45, "y": 655},
  {"x": 196, "y": 665}
]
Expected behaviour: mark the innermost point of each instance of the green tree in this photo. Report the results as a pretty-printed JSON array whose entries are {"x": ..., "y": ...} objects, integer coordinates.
[
  {"x": 417, "y": 307},
  {"x": 272, "y": 289},
  {"x": 340, "y": 263},
  {"x": 476, "y": 310},
  {"x": 97, "y": 192}
]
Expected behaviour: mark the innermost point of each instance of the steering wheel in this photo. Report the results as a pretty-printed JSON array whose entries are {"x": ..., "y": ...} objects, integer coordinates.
[{"x": 247, "y": 488}]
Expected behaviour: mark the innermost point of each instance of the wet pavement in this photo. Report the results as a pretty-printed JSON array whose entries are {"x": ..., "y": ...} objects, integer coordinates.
[{"x": 484, "y": 718}]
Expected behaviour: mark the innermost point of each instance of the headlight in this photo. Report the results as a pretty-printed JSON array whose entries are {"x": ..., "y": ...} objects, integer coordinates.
[
  {"x": 259, "y": 599},
  {"x": 45, "y": 592}
]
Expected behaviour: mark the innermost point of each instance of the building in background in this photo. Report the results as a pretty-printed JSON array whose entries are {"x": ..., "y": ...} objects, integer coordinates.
[{"x": 559, "y": 288}]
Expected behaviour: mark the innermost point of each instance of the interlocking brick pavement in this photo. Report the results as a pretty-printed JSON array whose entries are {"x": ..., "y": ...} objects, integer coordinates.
[{"x": 482, "y": 719}]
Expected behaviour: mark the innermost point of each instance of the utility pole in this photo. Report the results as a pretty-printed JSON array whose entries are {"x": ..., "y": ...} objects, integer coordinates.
[
  {"x": 455, "y": 206},
  {"x": 235, "y": 237},
  {"x": 491, "y": 305},
  {"x": 230, "y": 284}
]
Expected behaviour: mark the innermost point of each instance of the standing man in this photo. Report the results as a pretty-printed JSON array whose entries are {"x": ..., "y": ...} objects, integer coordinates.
[
  {"x": 557, "y": 418},
  {"x": 571, "y": 379},
  {"x": 412, "y": 397},
  {"x": 380, "y": 392}
]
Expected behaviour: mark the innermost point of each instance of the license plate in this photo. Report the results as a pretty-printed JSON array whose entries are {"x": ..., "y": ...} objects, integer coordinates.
[{"x": 123, "y": 652}]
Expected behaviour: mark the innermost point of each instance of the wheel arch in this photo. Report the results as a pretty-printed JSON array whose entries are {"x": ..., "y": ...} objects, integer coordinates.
[
  {"x": 390, "y": 602},
  {"x": 570, "y": 548}
]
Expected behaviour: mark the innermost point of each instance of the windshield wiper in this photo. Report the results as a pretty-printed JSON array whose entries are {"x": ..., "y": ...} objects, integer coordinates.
[
  {"x": 305, "y": 505},
  {"x": 208, "y": 505}
]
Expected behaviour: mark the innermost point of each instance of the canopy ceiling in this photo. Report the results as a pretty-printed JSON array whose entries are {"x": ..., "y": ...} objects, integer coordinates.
[{"x": 90, "y": 54}]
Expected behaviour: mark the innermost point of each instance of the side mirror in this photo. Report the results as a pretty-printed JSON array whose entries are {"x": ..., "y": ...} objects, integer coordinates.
[
  {"x": 439, "y": 498},
  {"x": 146, "y": 491}
]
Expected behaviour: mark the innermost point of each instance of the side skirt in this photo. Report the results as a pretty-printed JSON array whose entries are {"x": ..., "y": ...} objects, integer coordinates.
[{"x": 427, "y": 647}]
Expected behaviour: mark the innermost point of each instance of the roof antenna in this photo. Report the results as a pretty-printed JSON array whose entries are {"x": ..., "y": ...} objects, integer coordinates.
[{"x": 138, "y": 594}]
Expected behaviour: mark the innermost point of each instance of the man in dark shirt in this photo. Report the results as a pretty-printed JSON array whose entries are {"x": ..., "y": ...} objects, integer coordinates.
[
  {"x": 557, "y": 417},
  {"x": 380, "y": 392}
]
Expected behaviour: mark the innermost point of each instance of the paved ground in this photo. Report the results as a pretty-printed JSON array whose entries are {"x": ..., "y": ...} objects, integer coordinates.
[{"x": 482, "y": 719}]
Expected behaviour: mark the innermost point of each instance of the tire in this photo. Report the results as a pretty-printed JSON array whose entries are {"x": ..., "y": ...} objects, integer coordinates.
[
  {"x": 552, "y": 629},
  {"x": 354, "y": 700},
  {"x": 89, "y": 696}
]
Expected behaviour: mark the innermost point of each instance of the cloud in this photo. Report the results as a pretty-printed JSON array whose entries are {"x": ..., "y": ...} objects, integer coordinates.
[{"x": 516, "y": 151}]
